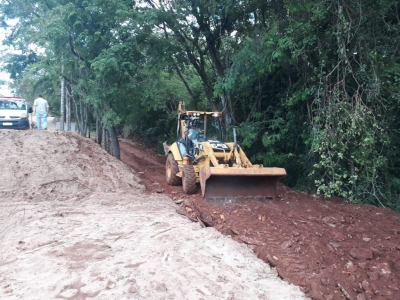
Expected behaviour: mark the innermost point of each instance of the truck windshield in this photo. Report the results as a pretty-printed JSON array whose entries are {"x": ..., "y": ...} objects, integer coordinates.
[{"x": 10, "y": 104}]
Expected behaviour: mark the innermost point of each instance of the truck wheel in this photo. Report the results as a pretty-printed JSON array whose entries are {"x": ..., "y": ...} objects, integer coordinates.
[
  {"x": 189, "y": 179},
  {"x": 171, "y": 169}
]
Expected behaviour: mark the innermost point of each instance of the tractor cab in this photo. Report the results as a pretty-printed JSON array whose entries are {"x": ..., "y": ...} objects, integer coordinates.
[{"x": 196, "y": 127}]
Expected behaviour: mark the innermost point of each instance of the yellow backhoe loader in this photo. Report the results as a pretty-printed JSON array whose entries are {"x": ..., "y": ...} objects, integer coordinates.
[{"x": 223, "y": 170}]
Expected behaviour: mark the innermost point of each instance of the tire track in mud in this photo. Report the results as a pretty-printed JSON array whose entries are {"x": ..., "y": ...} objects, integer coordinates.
[{"x": 151, "y": 171}]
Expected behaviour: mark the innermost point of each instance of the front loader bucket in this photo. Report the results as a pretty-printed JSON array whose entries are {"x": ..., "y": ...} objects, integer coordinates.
[{"x": 233, "y": 185}]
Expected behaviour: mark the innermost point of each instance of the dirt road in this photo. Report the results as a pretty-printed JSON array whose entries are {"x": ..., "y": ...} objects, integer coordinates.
[
  {"x": 331, "y": 249},
  {"x": 79, "y": 224}
]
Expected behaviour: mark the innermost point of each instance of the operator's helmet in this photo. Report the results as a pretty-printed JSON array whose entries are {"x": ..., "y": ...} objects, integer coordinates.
[{"x": 196, "y": 122}]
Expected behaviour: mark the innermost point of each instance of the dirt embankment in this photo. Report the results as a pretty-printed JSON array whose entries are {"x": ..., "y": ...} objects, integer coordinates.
[
  {"x": 331, "y": 249},
  {"x": 78, "y": 224}
]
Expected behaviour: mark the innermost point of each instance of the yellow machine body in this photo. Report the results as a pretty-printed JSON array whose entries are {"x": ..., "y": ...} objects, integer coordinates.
[{"x": 223, "y": 170}]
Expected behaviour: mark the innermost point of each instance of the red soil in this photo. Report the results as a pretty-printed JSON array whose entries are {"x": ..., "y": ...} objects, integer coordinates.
[{"x": 331, "y": 249}]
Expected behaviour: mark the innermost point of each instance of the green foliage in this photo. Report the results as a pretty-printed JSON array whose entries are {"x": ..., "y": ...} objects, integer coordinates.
[
  {"x": 318, "y": 94},
  {"x": 350, "y": 149}
]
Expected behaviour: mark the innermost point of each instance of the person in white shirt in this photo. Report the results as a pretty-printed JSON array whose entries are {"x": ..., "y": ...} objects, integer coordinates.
[
  {"x": 41, "y": 109},
  {"x": 194, "y": 132}
]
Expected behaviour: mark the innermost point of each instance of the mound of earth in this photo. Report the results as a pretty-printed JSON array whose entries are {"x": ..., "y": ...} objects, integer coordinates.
[
  {"x": 328, "y": 247},
  {"x": 77, "y": 223}
]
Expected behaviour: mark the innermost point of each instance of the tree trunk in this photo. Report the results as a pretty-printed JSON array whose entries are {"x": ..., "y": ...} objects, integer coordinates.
[
  {"x": 99, "y": 128},
  {"x": 106, "y": 142},
  {"x": 62, "y": 104},
  {"x": 81, "y": 114},
  {"x": 85, "y": 120},
  {"x": 68, "y": 109},
  {"x": 227, "y": 107},
  {"x": 78, "y": 115},
  {"x": 114, "y": 141},
  {"x": 89, "y": 121},
  {"x": 82, "y": 118}
]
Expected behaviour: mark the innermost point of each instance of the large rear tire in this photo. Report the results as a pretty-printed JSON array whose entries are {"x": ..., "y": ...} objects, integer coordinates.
[
  {"x": 171, "y": 169},
  {"x": 189, "y": 179}
]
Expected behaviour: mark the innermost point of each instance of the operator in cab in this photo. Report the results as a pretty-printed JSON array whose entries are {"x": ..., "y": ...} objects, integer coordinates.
[{"x": 195, "y": 132}]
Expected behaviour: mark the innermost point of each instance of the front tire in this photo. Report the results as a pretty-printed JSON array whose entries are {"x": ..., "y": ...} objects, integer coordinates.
[
  {"x": 171, "y": 169},
  {"x": 189, "y": 179}
]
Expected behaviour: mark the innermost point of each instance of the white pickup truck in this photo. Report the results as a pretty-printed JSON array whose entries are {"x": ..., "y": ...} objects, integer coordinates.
[{"x": 14, "y": 113}]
